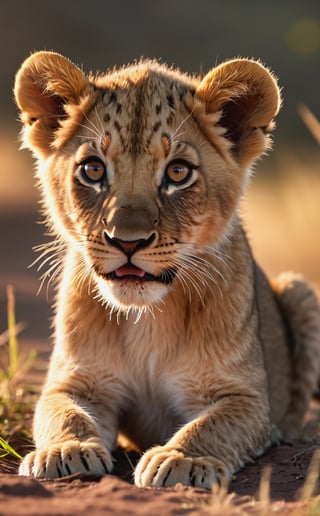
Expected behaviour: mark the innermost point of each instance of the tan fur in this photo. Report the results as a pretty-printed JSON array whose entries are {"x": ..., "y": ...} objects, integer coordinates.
[{"x": 185, "y": 349}]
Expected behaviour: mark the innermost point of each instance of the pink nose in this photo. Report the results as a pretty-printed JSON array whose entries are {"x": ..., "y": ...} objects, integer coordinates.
[{"x": 129, "y": 247}]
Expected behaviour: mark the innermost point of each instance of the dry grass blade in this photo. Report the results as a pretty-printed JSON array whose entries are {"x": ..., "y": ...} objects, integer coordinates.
[
  {"x": 13, "y": 343},
  {"x": 15, "y": 399},
  {"x": 229, "y": 504},
  {"x": 4, "y": 336},
  {"x": 17, "y": 365},
  {"x": 264, "y": 491},
  {"x": 310, "y": 121},
  {"x": 309, "y": 487}
]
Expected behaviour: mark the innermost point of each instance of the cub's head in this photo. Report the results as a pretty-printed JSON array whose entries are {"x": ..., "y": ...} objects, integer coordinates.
[{"x": 142, "y": 168}]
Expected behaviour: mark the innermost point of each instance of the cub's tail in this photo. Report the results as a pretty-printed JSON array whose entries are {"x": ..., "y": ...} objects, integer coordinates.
[{"x": 301, "y": 310}]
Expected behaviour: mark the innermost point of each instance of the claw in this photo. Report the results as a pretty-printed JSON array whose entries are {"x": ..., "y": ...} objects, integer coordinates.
[
  {"x": 104, "y": 466},
  {"x": 59, "y": 472},
  {"x": 166, "y": 477},
  {"x": 84, "y": 462}
]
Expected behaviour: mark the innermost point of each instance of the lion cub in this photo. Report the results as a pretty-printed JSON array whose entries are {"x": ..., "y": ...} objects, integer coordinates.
[{"x": 166, "y": 330}]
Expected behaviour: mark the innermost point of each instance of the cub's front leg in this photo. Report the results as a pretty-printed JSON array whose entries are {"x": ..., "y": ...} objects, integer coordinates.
[
  {"x": 68, "y": 439},
  {"x": 209, "y": 449}
]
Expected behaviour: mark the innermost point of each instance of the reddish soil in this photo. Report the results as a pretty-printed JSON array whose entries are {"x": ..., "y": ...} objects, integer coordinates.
[{"x": 115, "y": 494}]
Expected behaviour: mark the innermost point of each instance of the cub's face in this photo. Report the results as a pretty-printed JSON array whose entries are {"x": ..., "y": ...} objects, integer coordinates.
[
  {"x": 142, "y": 193},
  {"x": 147, "y": 195},
  {"x": 142, "y": 169}
]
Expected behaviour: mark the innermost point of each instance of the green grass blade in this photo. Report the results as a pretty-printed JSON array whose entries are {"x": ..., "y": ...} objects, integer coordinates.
[{"x": 8, "y": 450}]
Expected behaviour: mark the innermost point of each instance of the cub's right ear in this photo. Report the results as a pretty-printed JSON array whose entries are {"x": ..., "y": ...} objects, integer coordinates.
[{"x": 49, "y": 90}]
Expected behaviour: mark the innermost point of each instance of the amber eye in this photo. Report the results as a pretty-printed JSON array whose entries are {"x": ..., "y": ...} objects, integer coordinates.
[
  {"x": 93, "y": 170},
  {"x": 178, "y": 172}
]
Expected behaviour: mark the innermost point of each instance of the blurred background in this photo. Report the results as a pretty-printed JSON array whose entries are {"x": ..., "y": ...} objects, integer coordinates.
[{"x": 282, "y": 207}]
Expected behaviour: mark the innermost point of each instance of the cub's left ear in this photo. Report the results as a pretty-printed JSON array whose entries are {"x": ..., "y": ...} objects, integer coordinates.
[
  {"x": 48, "y": 90},
  {"x": 248, "y": 97}
]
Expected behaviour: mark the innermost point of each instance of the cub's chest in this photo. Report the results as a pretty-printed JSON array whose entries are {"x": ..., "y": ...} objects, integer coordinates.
[
  {"x": 159, "y": 401},
  {"x": 164, "y": 368},
  {"x": 151, "y": 416},
  {"x": 155, "y": 407}
]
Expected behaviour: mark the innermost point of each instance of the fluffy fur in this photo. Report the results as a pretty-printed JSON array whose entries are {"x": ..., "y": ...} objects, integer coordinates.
[{"x": 166, "y": 331}]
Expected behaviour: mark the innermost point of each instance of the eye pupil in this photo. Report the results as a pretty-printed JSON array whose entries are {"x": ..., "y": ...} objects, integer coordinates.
[
  {"x": 178, "y": 172},
  {"x": 93, "y": 171}
]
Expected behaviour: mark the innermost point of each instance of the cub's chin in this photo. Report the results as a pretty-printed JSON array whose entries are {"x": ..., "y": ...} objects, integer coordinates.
[
  {"x": 131, "y": 288},
  {"x": 130, "y": 293}
]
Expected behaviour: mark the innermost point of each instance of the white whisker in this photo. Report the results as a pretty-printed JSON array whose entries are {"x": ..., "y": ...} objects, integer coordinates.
[
  {"x": 185, "y": 285},
  {"x": 86, "y": 137},
  {"x": 96, "y": 136},
  {"x": 193, "y": 261},
  {"x": 102, "y": 128},
  {"x": 187, "y": 277},
  {"x": 174, "y": 134},
  {"x": 93, "y": 128}
]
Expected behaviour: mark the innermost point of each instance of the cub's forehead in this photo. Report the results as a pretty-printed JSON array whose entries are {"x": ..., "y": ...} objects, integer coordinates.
[
  {"x": 136, "y": 103},
  {"x": 147, "y": 76}
]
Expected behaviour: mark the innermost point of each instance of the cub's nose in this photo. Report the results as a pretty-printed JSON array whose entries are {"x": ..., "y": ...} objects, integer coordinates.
[{"x": 129, "y": 247}]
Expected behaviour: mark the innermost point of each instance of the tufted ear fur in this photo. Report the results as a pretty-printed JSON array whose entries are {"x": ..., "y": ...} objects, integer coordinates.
[
  {"x": 247, "y": 96},
  {"x": 48, "y": 90}
]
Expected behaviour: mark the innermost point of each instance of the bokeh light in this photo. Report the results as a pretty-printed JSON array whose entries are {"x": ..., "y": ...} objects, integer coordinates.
[{"x": 303, "y": 36}]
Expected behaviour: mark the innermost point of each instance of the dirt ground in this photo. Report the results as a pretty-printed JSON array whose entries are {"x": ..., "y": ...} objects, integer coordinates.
[{"x": 115, "y": 494}]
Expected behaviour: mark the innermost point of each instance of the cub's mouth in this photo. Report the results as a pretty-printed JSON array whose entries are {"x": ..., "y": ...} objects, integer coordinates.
[{"x": 131, "y": 272}]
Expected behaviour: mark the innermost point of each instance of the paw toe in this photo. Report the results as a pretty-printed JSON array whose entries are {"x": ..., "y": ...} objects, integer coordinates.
[
  {"x": 67, "y": 458},
  {"x": 162, "y": 468}
]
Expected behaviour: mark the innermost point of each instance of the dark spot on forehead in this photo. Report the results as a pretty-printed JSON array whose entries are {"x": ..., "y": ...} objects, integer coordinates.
[
  {"x": 170, "y": 100},
  {"x": 113, "y": 98},
  {"x": 109, "y": 98},
  {"x": 158, "y": 108},
  {"x": 118, "y": 128},
  {"x": 156, "y": 126},
  {"x": 170, "y": 119}
]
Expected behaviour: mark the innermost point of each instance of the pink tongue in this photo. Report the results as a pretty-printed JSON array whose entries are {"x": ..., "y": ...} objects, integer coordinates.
[{"x": 129, "y": 270}]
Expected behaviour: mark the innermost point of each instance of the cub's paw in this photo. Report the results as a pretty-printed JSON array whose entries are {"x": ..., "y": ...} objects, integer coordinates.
[
  {"x": 162, "y": 467},
  {"x": 67, "y": 458}
]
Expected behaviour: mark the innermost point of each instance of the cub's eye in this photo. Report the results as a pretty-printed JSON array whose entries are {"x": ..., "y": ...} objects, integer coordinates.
[
  {"x": 178, "y": 172},
  {"x": 93, "y": 170}
]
